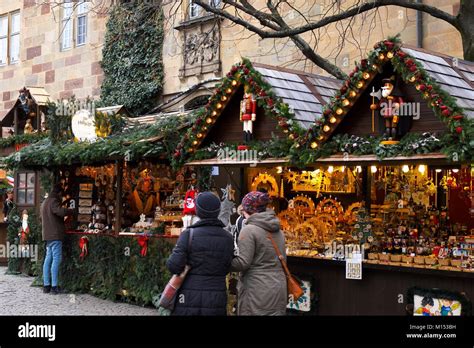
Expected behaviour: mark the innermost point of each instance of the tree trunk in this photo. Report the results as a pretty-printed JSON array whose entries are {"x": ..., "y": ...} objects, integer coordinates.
[{"x": 466, "y": 28}]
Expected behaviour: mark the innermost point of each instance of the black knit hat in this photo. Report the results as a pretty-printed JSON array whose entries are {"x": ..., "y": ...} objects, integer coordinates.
[{"x": 208, "y": 205}]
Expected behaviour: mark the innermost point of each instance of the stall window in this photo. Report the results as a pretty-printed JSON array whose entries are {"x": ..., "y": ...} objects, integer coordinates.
[
  {"x": 10, "y": 38},
  {"x": 26, "y": 189}
]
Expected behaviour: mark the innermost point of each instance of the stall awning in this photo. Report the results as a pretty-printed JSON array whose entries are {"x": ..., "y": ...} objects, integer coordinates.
[{"x": 238, "y": 163}]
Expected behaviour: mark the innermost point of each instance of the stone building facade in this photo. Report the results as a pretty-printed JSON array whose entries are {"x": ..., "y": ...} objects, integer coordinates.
[
  {"x": 198, "y": 48},
  {"x": 62, "y": 58}
]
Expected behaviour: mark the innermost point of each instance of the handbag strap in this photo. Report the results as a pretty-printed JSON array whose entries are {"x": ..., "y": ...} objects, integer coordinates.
[
  {"x": 280, "y": 256},
  {"x": 190, "y": 239}
]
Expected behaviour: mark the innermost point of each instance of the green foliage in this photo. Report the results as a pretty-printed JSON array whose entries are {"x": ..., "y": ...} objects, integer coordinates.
[
  {"x": 132, "y": 58},
  {"x": 130, "y": 144},
  {"x": 107, "y": 269},
  {"x": 21, "y": 139}
]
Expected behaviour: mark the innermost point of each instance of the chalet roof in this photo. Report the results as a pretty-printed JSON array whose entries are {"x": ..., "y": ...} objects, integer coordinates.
[
  {"x": 116, "y": 109},
  {"x": 455, "y": 76},
  {"x": 305, "y": 93},
  {"x": 39, "y": 94}
]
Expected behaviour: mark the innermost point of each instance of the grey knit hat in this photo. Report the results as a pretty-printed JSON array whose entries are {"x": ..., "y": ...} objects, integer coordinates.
[{"x": 208, "y": 205}]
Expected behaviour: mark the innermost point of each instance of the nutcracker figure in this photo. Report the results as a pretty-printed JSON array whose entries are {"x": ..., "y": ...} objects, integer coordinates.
[
  {"x": 389, "y": 105},
  {"x": 248, "y": 109}
]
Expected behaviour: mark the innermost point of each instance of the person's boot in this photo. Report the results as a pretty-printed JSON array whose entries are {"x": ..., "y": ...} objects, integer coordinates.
[
  {"x": 55, "y": 290},
  {"x": 47, "y": 289}
]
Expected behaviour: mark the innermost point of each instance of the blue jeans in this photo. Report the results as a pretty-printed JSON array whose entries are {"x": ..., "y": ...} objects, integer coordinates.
[{"x": 54, "y": 250}]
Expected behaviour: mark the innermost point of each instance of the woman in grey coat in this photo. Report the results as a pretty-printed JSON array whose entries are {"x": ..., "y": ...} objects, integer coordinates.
[{"x": 262, "y": 288}]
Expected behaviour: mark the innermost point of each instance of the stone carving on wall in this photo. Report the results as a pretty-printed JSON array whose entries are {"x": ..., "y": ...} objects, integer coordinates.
[{"x": 201, "y": 50}]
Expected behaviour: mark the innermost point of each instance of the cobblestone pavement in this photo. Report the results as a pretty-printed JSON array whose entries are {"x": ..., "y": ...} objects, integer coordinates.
[{"x": 18, "y": 297}]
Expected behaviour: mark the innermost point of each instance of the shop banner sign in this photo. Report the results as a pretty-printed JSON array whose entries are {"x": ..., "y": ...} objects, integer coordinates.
[
  {"x": 354, "y": 267},
  {"x": 303, "y": 304}
]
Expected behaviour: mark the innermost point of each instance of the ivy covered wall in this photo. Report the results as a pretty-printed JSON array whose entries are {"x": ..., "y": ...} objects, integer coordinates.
[{"x": 132, "y": 58}]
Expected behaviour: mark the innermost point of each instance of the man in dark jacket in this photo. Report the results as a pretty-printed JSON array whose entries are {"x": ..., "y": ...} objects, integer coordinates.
[
  {"x": 210, "y": 255},
  {"x": 52, "y": 216}
]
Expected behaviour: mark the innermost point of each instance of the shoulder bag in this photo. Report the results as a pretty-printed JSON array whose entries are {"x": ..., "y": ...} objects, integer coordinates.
[
  {"x": 168, "y": 297},
  {"x": 294, "y": 288}
]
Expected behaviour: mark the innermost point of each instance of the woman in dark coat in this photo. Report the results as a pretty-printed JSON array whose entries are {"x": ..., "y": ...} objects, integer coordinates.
[{"x": 211, "y": 250}]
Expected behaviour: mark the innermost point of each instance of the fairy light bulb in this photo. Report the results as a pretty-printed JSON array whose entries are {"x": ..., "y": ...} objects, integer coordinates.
[
  {"x": 219, "y": 106},
  {"x": 234, "y": 83},
  {"x": 332, "y": 119},
  {"x": 326, "y": 128},
  {"x": 345, "y": 102},
  {"x": 224, "y": 98},
  {"x": 330, "y": 169},
  {"x": 214, "y": 113},
  {"x": 360, "y": 84},
  {"x": 359, "y": 169},
  {"x": 373, "y": 169},
  {"x": 366, "y": 75},
  {"x": 339, "y": 111},
  {"x": 422, "y": 168},
  {"x": 314, "y": 145},
  {"x": 209, "y": 120},
  {"x": 438, "y": 170},
  {"x": 405, "y": 169},
  {"x": 352, "y": 94},
  {"x": 228, "y": 90},
  {"x": 381, "y": 56},
  {"x": 390, "y": 55}
]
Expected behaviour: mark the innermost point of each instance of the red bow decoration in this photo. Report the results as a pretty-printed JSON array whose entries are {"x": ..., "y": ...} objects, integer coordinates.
[
  {"x": 143, "y": 242},
  {"x": 83, "y": 242}
]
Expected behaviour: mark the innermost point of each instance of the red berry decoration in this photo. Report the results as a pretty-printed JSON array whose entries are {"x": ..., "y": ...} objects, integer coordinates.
[
  {"x": 412, "y": 68},
  {"x": 429, "y": 88},
  {"x": 443, "y": 107},
  {"x": 409, "y": 62},
  {"x": 422, "y": 87},
  {"x": 327, "y": 112},
  {"x": 388, "y": 44},
  {"x": 446, "y": 112},
  {"x": 262, "y": 93},
  {"x": 458, "y": 117},
  {"x": 363, "y": 63},
  {"x": 246, "y": 71},
  {"x": 343, "y": 89},
  {"x": 401, "y": 54},
  {"x": 351, "y": 74},
  {"x": 459, "y": 130}
]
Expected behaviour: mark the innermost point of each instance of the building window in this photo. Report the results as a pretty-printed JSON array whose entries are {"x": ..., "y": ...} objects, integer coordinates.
[
  {"x": 26, "y": 189},
  {"x": 193, "y": 9},
  {"x": 215, "y": 3},
  {"x": 10, "y": 38},
  {"x": 73, "y": 24},
  {"x": 81, "y": 31}
]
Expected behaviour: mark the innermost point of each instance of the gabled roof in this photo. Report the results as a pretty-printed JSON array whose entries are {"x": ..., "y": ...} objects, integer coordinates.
[
  {"x": 305, "y": 93},
  {"x": 441, "y": 81},
  {"x": 39, "y": 96},
  {"x": 455, "y": 76}
]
